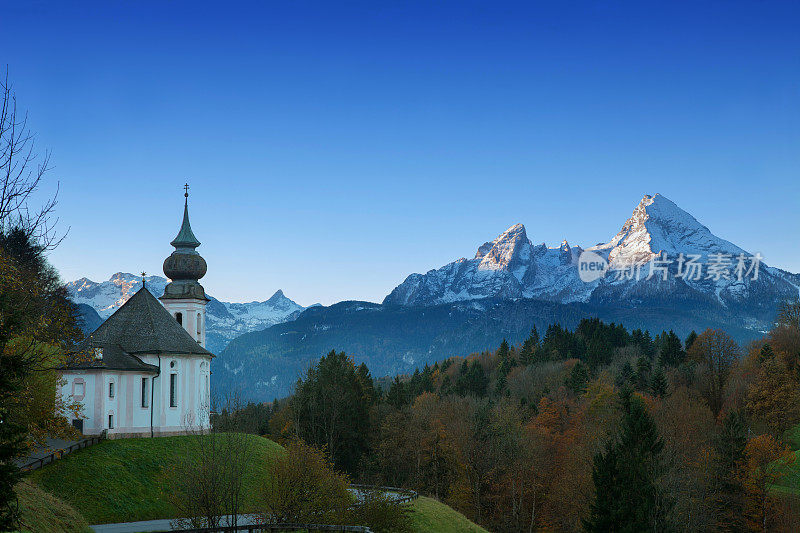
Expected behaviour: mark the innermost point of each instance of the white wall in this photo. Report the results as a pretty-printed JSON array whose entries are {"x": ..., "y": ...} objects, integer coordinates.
[
  {"x": 191, "y": 410},
  {"x": 189, "y": 309}
]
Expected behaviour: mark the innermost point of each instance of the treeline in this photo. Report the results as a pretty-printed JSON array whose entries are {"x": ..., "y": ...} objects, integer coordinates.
[{"x": 554, "y": 433}]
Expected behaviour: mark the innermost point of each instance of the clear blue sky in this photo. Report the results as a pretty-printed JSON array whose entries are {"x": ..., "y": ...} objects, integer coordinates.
[{"x": 333, "y": 148}]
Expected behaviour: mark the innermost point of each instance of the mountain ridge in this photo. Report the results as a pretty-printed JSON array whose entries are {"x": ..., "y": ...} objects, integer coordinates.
[
  {"x": 225, "y": 320},
  {"x": 512, "y": 267}
]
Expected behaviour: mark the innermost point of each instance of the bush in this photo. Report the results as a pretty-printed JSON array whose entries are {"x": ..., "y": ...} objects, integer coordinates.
[{"x": 303, "y": 487}]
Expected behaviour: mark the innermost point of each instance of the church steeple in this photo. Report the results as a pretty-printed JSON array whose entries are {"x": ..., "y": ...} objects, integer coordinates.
[
  {"x": 184, "y": 297},
  {"x": 185, "y": 238}
]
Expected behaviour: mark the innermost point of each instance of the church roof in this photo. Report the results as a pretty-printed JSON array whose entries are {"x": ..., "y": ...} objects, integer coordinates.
[
  {"x": 185, "y": 238},
  {"x": 143, "y": 326},
  {"x": 113, "y": 358}
]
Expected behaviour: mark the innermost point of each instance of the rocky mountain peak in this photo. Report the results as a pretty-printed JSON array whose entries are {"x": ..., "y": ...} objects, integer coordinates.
[
  {"x": 659, "y": 225},
  {"x": 509, "y": 247}
]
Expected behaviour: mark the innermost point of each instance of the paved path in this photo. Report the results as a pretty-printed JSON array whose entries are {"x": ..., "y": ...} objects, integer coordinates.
[
  {"x": 244, "y": 519},
  {"x": 43, "y": 451},
  {"x": 156, "y": 525}
]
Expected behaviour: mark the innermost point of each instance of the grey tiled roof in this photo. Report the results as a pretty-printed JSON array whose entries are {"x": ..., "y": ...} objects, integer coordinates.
[
  {"x": 143, "y": 326},
  {"x": 114, "y": 358}
]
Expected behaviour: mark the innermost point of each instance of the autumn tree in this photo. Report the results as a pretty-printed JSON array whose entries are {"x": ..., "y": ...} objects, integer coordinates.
[
  {"x": 767, "y": 463},
  {"x": 714, "y": 352},
  {"x": 303, "y": 487},
  {"x": 773, "y": 398}
]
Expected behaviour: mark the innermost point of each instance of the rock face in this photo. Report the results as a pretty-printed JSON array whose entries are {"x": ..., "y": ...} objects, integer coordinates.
[
  {"x": 226, "y": 320},
  {"x": 508, "y": 267},
  {"x": 656, "y": 234}
]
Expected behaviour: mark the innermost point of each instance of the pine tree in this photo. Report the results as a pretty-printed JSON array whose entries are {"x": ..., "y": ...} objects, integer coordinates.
[
  {"x": 658, "y": 382},
  {"x": 626, "y": 473},
  {"x": 671, "y": 352},
  {"x": 578, "y": 378},
  {"x": 626, "y": 374},
  {"x": 766, "y": 353},
  {"x": 728, "y": 461},
  {"x": 504, "y": 351},
  {"x": 690, "y": 340},
  {"x": 642, "y": 373},
  {"x": 605, "y": 514},
  {"x": 397, "y": 396}
]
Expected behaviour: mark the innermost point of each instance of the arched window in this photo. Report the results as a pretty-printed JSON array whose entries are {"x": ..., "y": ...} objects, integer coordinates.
[
  {"x": 179, "y": 318},
  {"x": 198, "y": 324}
]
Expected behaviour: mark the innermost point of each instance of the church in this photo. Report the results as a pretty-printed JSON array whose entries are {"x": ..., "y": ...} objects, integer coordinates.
[{"x": 145, "y": 370}]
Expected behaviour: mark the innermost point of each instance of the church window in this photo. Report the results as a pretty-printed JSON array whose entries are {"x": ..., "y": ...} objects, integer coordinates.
[
  {"x": 110, "y": 421},
  {"x": 179, "y": 318},
  {"x": 198, "y": 323},
  {"x": 79, "y": 389},
  {"x": 173, "y": 390},
  {"x": 144, "y": 392},
  {"x": 111, "y": 389}
]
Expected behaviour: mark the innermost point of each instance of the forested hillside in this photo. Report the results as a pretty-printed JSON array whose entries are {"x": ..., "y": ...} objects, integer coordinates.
[
  {"x": 393, "y": 340},
  {"x": 552, "y": 433}
]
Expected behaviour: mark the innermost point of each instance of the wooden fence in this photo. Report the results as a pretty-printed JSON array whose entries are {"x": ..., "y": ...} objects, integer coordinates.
[{"x": 35, "y": 464}]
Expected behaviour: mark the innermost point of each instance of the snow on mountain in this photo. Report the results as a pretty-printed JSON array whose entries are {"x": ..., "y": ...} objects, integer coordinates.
[
  {"x": 512, "y": 267},
  {"x": 508, "y": 267},
  {"x": 226, "y": 320}
]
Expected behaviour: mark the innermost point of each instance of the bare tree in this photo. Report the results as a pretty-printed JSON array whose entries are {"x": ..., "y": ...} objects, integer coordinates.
[
  {"x": 21, "y": 171},
  {"x": 208, "y": 482}
]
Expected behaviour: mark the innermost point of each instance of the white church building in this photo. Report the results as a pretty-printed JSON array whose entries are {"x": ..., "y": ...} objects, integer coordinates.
[{"x": 145, "y": 371}]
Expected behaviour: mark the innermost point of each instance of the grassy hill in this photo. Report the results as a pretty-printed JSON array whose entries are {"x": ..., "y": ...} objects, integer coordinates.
[
  {"x": 44, "y": 513},
  {"x": 431, "y": 515},
  {"x": 124, "y": 480}
]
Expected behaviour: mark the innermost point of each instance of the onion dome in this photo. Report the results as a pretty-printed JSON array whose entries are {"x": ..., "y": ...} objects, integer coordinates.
[{"x": 185, "y": 266}]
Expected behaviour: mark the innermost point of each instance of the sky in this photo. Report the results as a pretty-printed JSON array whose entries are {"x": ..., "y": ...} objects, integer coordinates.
[{"x": 333, "y": 148}]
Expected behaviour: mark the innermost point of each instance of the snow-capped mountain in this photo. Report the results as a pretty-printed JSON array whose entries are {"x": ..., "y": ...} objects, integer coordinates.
[
  {"x": 655, "y": 235},
  {"x": 226, "y": 320}
]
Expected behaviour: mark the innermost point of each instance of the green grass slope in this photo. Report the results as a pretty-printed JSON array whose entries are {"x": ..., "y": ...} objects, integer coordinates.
[
  {"x": 791, "y": 483},
  {"x": 42, "y": 512},
  {"x": 432, "y": 516},
  {"x": 124, "y": 480}
]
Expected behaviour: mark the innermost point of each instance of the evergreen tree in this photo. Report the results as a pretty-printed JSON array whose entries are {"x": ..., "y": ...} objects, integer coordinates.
[
  {"x": 627, "y": 374},
  {"x": 472, "y": 380},
  {"x": 642, "y": 373},
  {"x": 658, "y": 382},
  {"x": 671, "y": 352},
  {"x": 690, "y": 340},
  {"x": 397, "y": 397},
  {"x": 626, "y": 474},
  {"x": 605, "y": 512},
  {"x": 333, "y": 396},
  {"x": 504, "y": 351},
  {"x": 530, "y": 348},
  {"x": 766, "y": 353},
  {"x": 728, "y": 462},
  {"x": 578, "y": 378}
]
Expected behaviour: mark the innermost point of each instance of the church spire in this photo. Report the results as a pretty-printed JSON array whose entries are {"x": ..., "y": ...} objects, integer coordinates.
[{"x": 185, "y": 237}]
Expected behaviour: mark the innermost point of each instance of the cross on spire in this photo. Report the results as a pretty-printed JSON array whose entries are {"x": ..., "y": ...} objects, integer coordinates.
[
  {"x": 186, "y": 190},
  {"x": 143, "y": 280}
]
